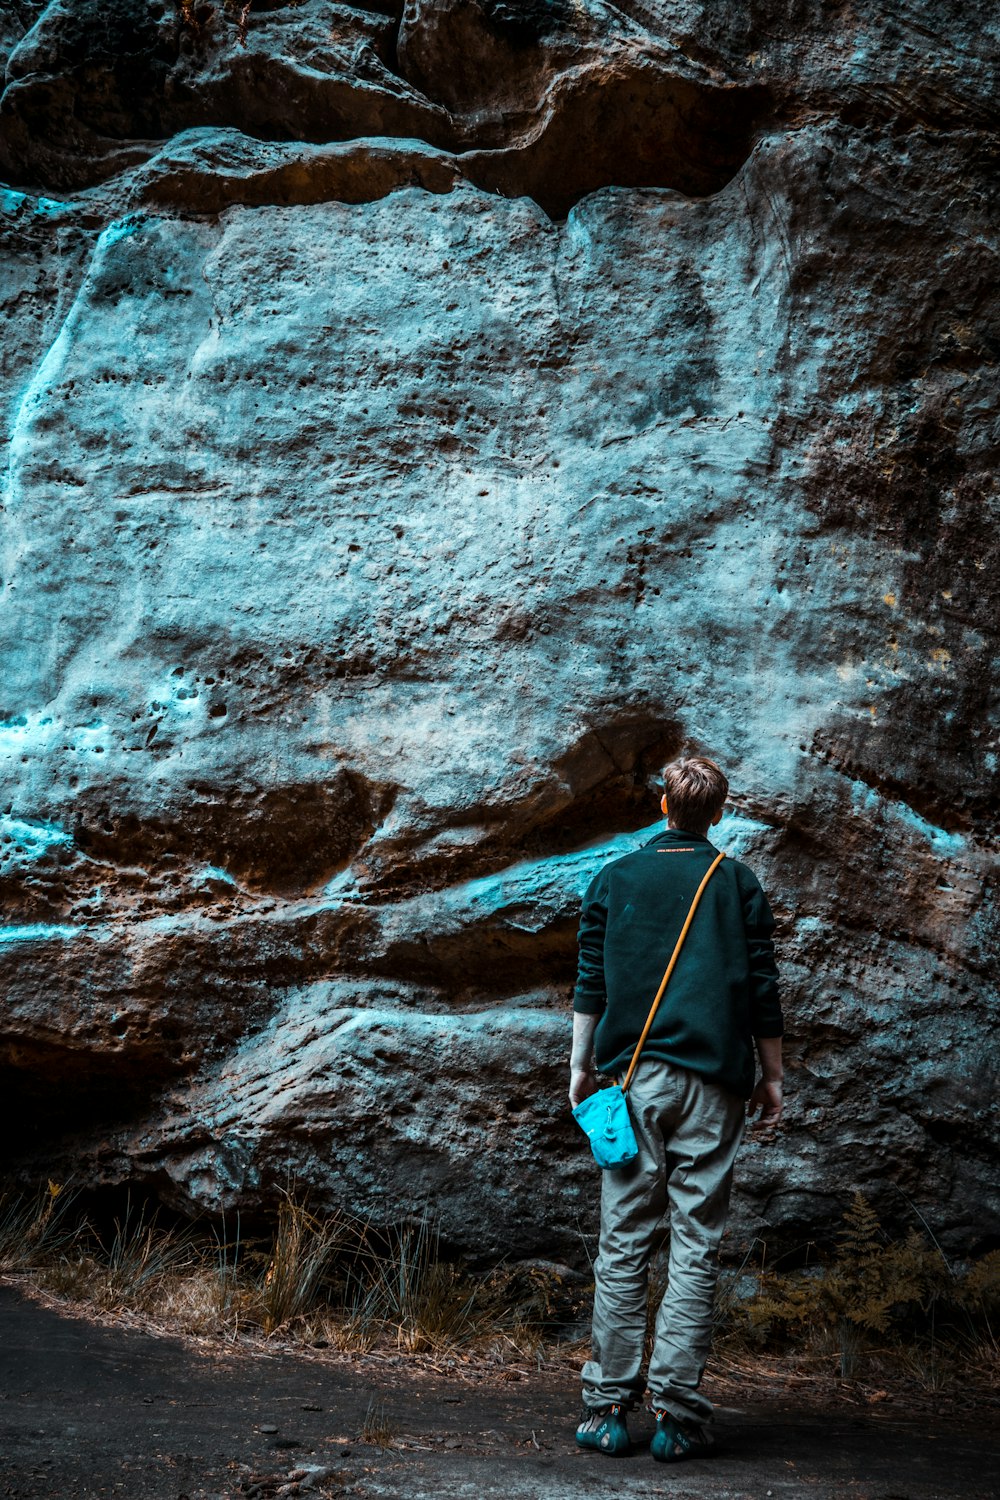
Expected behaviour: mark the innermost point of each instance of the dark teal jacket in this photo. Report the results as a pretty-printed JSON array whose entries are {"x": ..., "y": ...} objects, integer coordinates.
[{"x": 724, "y": 989}]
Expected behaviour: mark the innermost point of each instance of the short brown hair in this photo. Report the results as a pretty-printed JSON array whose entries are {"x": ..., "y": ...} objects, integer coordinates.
[{"x": 695, "y": 790}]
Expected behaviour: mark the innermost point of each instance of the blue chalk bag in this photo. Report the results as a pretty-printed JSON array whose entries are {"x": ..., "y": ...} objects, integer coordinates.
[{"x": 605, "y": 1121}]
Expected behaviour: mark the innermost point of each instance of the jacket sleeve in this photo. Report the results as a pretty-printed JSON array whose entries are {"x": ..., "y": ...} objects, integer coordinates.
[
  {"x": 590, "y": 996},
  {"x": 765, "y": 1007}
]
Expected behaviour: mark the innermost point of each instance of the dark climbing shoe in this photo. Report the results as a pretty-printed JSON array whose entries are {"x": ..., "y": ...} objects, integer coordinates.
[
  {"x": 605, "y": 1430},
  {"x": 674, "y": 1440}
]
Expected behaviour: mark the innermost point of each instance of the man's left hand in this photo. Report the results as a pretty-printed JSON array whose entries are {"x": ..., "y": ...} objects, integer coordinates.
[
  {"x": 582, "y": 1083},
  {"x": 767, "y": 1097}
]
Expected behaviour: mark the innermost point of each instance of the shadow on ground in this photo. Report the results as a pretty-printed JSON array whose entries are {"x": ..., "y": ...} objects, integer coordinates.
[{"x": 98, "y": 1410}]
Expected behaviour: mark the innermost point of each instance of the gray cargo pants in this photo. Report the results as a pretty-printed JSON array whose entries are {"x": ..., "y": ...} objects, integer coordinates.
[{"x": 688, "y": 1131}]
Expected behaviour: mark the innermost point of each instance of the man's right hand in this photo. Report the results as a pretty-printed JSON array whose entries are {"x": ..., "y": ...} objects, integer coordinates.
[{"x": 582, "y": 1083}]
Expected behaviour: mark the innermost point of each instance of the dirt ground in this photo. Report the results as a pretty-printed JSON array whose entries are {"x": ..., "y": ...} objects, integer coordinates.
[{"x": 100, "y": 1410}]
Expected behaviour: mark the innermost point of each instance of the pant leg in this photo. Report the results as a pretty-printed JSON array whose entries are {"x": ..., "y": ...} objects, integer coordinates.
[
  {"x": 702, "y": 1147},
  {"x": 633, "y": 1203}
]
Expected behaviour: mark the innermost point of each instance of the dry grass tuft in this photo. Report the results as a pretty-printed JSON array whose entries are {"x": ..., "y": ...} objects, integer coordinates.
[
  {"x": 376, "y": 1428},
  {"x": 34, "y": 1229},
  {"x": 302, "y": 1253},
  {"x": 140, "y": 1260}
]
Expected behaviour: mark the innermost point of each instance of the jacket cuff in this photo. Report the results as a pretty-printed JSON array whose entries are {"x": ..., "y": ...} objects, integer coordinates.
[{"x": 589, "y": 1005}]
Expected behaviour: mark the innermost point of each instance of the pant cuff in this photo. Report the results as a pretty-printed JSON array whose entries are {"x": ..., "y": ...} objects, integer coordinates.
[
  {"x": 597, "y": 1401},
  {"x": 681, "y": 1413}
]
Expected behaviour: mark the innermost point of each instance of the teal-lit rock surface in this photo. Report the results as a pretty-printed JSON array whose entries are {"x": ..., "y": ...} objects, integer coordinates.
[{"x": 418, "y": 427}]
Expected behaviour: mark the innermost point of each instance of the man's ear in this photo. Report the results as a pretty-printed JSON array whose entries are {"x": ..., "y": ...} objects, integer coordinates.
[
  {"x": 663, "y": 804},
  {"x": 717, "y": 818}
]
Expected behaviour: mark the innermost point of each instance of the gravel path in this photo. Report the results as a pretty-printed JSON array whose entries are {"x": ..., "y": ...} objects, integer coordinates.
[{"x": 96, "y": 1410}]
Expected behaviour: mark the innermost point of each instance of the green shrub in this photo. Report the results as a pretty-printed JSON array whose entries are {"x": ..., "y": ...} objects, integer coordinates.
[{"x": 904, "y": 1291}]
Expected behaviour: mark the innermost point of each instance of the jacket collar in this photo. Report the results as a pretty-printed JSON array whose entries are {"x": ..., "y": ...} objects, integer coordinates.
[{"x": 675, "y": 836}]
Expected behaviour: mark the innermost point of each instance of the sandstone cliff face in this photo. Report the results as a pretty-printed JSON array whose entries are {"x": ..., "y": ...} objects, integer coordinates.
[{"x": 420, "y": 425}]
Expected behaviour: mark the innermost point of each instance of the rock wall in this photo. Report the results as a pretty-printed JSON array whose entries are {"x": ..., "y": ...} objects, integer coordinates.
[{"x": 421, "y": 424}]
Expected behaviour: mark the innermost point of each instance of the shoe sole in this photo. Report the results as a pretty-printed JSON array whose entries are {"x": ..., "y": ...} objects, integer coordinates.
[
  {"x": 697, "y": 1450},
  {"x": 608, "y": 1452}
]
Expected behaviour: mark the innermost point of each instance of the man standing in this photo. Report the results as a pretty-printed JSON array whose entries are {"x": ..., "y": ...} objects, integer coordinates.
[{"x": 687, "y": 1099}]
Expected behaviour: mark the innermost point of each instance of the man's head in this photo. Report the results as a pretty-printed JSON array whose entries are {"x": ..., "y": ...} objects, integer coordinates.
[{"x": 694, "y": 792}]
